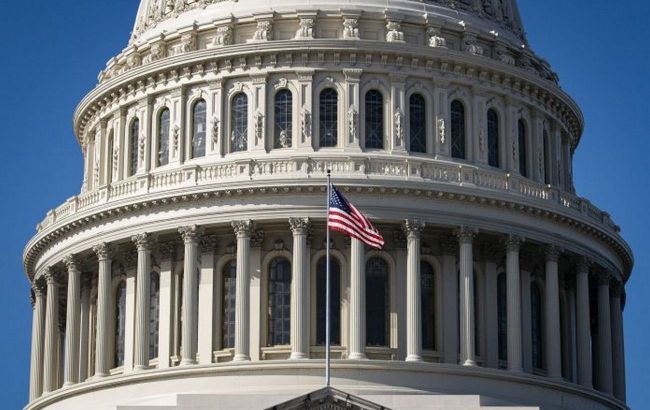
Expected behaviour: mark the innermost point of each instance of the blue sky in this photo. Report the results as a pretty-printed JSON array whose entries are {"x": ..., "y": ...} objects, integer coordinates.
[{"x": 52, "y": 53}]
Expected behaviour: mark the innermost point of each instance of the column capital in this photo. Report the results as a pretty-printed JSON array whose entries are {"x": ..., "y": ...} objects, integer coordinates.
[
  {"x": 104, "y": 251},
  {"x": 71, "y": 262},
  {"x": 51, "y": 276},
  {"x": 513, "y": 243},
  {"x": 243, "y": 229},
  {"x": 602, "y": 277},
  {"x": 552, "y": 253},
  {"x": 616, "y": 289},
  {"x": 583, "y": 264},
  {"x": 466, "y": 234},
  {"x": 38, "y": 288},
  {"x": 143, "y": 241},
  {"x": 300, "y": 226},
  {"x": 191, "y": 233},
  {"x": 208, "y": 243},
  {"x": 413, "y": 228}
]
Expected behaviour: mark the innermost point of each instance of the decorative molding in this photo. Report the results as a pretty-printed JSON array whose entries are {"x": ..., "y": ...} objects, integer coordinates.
[
  {"x": 104, "y": 251},
  {"x": 191, "y": 233}
]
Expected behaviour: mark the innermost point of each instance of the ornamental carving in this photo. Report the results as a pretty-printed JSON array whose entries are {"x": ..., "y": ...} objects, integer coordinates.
[
  {"x": 435, "y": 38},
  {"x": 399, "y": 129},
  {"x": 142, "y": 241},
  {"x": 470, "y": 45},
  {"x": 242, "y": 228},
  {"x": 175, "y": 134},
  {"x": 513, "y": 243},
  {"x": 259, "y": 126},
  {"x": 224, "y": 36},
  {"x": 413, "y": 228},
  {"x": 351, "y": 28},
  {"x": 208, "y": 243},
  {"x": 103, "y": 251},
  {"x": 214, "y": 132},
  {"x": 158, "y": 51},
  {"x": 300, "y": 226},
  {"x": 187, "y": 44},
  {"x": 466, "y": 234},
  {"x": 305, "y": 124},
  {"x": 552, "y": 253},
  {"x": 191, "y": 233},
  {"x": 306, "y": 28},
  {"x": 481, "y": 139},
  {"x": 442, "y": 130},
  {"x": 353, "y": 122},
  {"x": 71, "y": 262},
  {"x": 394, "y": 32},
  {"x": 116, "y": 153},
  {"x": 264, "y": 31}
]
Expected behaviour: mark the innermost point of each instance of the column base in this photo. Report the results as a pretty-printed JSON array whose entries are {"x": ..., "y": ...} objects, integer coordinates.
[
  {"x": 413, "y": 358},
  {"x": 241, "y": 358},
  {"x": 469, "y": 362},
  {"x": 98, "y": 376},
  {"x": 298, "y": 356},
  {"x": 139, "y": 368},
  {"x": 69, "y": 384},
  {"x": 516, "y": 369},
  {"x": 357, "y": 356},
  {"x": 187, "y": 362}
]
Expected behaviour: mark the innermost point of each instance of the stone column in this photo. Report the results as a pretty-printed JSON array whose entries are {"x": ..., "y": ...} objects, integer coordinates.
[
  {"x": 84, "y": 321},
  {"x": 142, "y": 242},
  {"x": 50, "y": 370},
  {"x": 513, "y": 243},
  {"x": 491, "y": 253},
  {"x": 38, "y": 327},
  {"x": 167, "y": 307},
  {"x": 450, "y": 284},
  {"x": 357, "y": 301},
  {"x": 206, "y": 300},
  {"x": 605, "y": 383},
  {"x": 191, "y": 236},
  {"x": 466, "y": 282},
  {"x": 583, "y": 331},
  {"x": 242, "y": 290},
  {"x": 552, "y": 316},
  {"x": 413, "y": 229},
  {"x": 299, "y": 289},
  {"x": 618, "y": 353},
  {"x": 71, "y": 369},
  {"x": 102, "y": 343}
]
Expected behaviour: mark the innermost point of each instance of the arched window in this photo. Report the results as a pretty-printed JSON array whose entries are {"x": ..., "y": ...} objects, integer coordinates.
[
  {"x": 536, "y": 323},
  {"x": 198, "y": 129},
  {"x": 283, "y": 119},
  {"x": 374, "y": 119},
  {"x": 134, "y": 140},
  {"x": 335, "y": 301},
  {"x": 110, "y": 160},
  {"x": 328, "y": 118},
  {"x": 279, "y": 302},
  {"x": 228, "y": 304},
  {"x": 545, "y": 162},
  {"x": 377, "y": 302},
  {"x": 163, "y": 137},
  {"x": 239, "y": 123},
  {"x": 502, "y": 316},
  {"x": 493, "y": 138},
  {"x": 428, "y": 289},
  {"x": 154, "y": 317},
  {"x": 523, "y": 168},
  {"x": 417, "y": 123},
  {"x": 457, "y": 129},
  {"x": 120, "y": 323}
]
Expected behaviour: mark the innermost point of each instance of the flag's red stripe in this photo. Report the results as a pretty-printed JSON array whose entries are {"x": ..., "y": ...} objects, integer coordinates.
[
  {"x": 344, "y": 225},
  {"x": 334, "y": 215},
  {"x": 355, "y": 236}
]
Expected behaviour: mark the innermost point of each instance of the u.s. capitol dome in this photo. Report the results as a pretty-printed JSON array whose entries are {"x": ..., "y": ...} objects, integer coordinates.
[{"x": 189, "y": 271}]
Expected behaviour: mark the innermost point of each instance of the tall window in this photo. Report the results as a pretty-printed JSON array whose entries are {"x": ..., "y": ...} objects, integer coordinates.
[
  {"x": 283, "y": 119},
  {"x": 502, "y": 316},
  {"x": 545, "y": 162},
  {"x": 280, "y": 302},
  {"x": 134, "y": 140},
  {"x": 328, "y": 118},
  {"x": 335, "y": 301},
  {"x": 536, "y": 324},
  {"x": 374, "y": 119},
  {"x": 457, "y": 129},
  {"x": 417, "y": 123},
  {"x": 228, "y": 304},
  {"x": 493, "y": 138},
  {"x": 110, "y": 159},
  {"x": 239, "y": 123},
  {"x": 198, "y": 129},
  {"x": 377, "y": 302},
  {"x": 428, "y": 289},
  {"x": 120, "y": 323},
  {"x": 154, "y": 310},
  {"x": 522, "y": 149},
  {"x": 163, "y": 137}
]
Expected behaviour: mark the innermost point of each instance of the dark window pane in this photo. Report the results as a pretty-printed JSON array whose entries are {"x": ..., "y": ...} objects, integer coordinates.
[
  {"x": 228, "y": 304},
  {"x": 493, "y": 138},
  {"x": 522, "y": 149},
  {"x": 536, "y": 324},
  {"x": 428, "y": 289},
  {"x": 120, "y": 323},
  {"x": 110, "y": 159},
  {"x": 154, "y": 309},
  {"x": 502, "y": 316},
  {"x": 134, "y": 140},
  {"x": 377, "y": 303},
  {"x": 328, "y": 117},
  {"x": 335, "y": 302},
  {"x": 546, "y": 164},
  {"x": 198, "y": 129},
  {"x": 283, "y": 119},
  {"x": 457, "y": 129},
  {"x": 418, "y": 123},
  {"x": 163, "y": 137},
  {"x": 374, "y": 119},
  {"x": 239, "y": 123},
  {"x": 279, "y": 302}
]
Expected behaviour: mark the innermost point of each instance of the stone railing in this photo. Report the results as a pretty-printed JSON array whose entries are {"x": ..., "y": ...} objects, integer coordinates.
[{"x": 288, "y": 171}]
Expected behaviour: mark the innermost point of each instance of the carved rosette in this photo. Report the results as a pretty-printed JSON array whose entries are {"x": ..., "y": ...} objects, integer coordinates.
[
  {"x": 103, "y": 251},
  {"x": 300, "y": 226},
  {"x": 191, "y": 233},
  {"x": 413, "y": 228},
  {"x": 142, "y": 241},
  {"x": 243, "y": 229}
]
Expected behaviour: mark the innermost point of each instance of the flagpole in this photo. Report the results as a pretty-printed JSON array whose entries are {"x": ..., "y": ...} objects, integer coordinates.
[{"x": 327, "y": 283}]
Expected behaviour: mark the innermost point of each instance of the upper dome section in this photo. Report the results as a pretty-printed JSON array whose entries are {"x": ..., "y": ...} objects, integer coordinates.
[{"x": 156, "y": 17}]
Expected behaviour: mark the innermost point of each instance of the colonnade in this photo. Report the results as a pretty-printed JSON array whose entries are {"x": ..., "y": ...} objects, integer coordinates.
[{"x": 458, "y": 347}]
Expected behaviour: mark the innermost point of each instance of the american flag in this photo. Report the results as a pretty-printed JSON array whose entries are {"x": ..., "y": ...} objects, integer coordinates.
[{"x": 345, "y": 218}]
